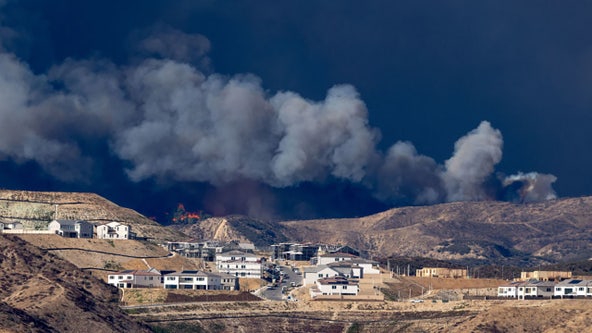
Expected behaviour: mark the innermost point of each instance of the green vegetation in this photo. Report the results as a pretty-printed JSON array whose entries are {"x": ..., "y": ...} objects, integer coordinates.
[
  {"x": 112, "y": 264},
  {"x": 355, "y": 327}
]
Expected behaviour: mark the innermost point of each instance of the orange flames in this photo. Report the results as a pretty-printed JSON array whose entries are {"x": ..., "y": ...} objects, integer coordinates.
[{"x": 181, "y": 215}]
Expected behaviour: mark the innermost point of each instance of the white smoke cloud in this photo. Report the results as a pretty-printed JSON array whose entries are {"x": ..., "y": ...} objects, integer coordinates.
[
  {"x": 474, "y": 159},
  {"x": 168, "y": 120},
  {"x": 534, "y": 187}
]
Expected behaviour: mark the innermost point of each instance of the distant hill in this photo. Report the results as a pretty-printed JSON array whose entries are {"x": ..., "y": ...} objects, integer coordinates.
[
  {"x": 37, "y": 209},
  {"x": 43, "y": 293},
  {"x": 551, "y": 231},
  {"x": 485, "y": 232}
]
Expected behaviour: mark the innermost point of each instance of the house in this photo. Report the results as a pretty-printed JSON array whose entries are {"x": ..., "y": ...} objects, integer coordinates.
[
  {"x": 313, "y": 273},
  {"x": 573, "y": 287},
  {"x": 535, "y": 288},
  {"x": 510, "y": 289},
  {"x": 441, "y": 272},
  {"x": 204, "y": 250},
  {"x": 200, "y": 280},
  {"x": 71, "y": 228},
  {"x": 323, "y": 259},
  {"x": 545, "y": 275},
  {"x": 239, "y": 264},
  {"x": 136, "y": 279},
  {"x": 334, "y": 286},
  {"x": 369, "y": 266},
  {"x": 294, "y": 251},
  {"x": 114, "y": 230}
]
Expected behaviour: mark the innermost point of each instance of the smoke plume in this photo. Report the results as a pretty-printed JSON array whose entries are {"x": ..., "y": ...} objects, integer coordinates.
[{"x": 168, "y": 120}]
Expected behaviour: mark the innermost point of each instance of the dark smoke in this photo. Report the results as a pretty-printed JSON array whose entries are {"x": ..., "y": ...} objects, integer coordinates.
[{"x": 167, "y": 120}]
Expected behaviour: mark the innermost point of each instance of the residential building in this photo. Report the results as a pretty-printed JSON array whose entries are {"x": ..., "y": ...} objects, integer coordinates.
[
  {"x": 545, "y": 275},
  {"x": 240, "y": 264},
  {"x": 323, "y": 259},
  {"x": 294, "y": 251},
  {"x": 204, "y": 250},
  {"x": 441, "y": 272},
  {"x": 114, "y": 230},
  {"x": 369, "y": 266},
  {"x": 200, "y": 280},
  {"x": 573, "y": 287},
  {"x": 510, "y": 289},
  {"x": 136, "y": 279},
  {"x": 335, "y": 286},
  {"x": 71, "y": 228},
  {"x": 535, "y": 288}
]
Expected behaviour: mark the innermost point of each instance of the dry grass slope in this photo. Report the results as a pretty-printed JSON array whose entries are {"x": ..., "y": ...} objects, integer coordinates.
[{"x": 43, "y": 293}]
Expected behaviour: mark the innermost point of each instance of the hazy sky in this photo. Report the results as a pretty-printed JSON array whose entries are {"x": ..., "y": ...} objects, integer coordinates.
[{"x": 296, "y": 108}]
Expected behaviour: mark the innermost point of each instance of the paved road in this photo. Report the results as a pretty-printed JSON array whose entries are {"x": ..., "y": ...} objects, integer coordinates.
[{"x": 275, "y": 293}]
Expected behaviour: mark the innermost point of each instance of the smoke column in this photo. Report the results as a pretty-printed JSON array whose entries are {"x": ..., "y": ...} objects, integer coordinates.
[{"x": 167, "y": 119}]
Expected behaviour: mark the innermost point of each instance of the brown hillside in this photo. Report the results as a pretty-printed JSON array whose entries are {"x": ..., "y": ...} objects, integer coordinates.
[
  {"x": 553, "y": 230},
  {"x": 43, "y": 293},
  {"x": 37, "y": 209}
]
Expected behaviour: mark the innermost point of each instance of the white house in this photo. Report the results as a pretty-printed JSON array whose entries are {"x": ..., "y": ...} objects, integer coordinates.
[
  {"x": 573, "y": 287},
  {"x": 535, "y": 288},
  {"x": 323, "y": 259},
  {"x": 510, "y": 289},
  {"x": 313, "y": 273},
  {"x": 136, "y": 279},
  {"x": 200, "y": 280},
  {"x": 71, "y": 228},
  {"x": 114, "y": 230},
  {"x": 369, "y": 266},
  {"x": 237, "y": 263},
  {"x": 334, "y": 286}
]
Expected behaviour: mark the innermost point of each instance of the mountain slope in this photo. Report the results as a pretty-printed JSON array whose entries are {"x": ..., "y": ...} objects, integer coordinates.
[
  {"x": 553, "y": 230},
  {"x": 43, "y": 293}
]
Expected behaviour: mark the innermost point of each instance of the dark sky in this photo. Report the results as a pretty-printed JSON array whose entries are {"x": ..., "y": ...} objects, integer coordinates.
[{"x": 107, "y": 105}]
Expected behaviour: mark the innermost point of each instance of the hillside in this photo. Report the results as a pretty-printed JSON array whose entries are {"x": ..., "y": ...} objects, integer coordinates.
[
  {"x": 555, "y": 230},
  {"x": 43, "y": 293},
  {"x": 37, "y": 209},
  {"x": 235, "y": 227}
]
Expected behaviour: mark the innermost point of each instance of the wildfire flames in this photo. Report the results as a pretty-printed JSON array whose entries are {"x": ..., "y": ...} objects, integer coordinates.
[{"x": 181, "y": 215}]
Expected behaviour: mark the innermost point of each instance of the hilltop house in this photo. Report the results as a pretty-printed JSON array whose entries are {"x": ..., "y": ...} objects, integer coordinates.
[
  {"x": 71, "y": 228},
  {"x": 136, "y": 279},
  {"x": 239, "y": 264},
  {"x": 200, "y": 280},
  {"x": 335, "y": 269},
  {"x": 114, "y": 230}
]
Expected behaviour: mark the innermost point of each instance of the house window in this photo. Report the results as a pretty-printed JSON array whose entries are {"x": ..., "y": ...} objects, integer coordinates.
[
  {"x": 581, "y": 289},
  {"x": 343, "y": 287},
  {"x": 320, "y": 275},
  {"x": 111, "y": 277},
  {"x": 333, "y": 287}
]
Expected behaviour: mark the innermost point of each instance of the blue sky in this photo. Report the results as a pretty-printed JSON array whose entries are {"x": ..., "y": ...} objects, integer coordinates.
[{"x": 426, "y": 73}]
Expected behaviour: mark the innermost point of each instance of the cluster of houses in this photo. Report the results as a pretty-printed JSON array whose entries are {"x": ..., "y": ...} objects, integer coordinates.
[
  {"x": 186, "y": 279},
  {"x": 74, "y": 229},
  {"x": 337, "y": 274},
  {"x": 546, "y": 284},
  {"x": 231, "y": 266},
  {"x": 537, "y": 288}
]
